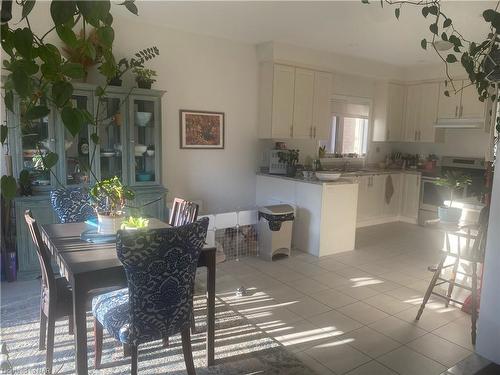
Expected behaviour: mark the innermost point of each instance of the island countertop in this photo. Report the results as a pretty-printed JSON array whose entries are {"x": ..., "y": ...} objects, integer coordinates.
[{"x": 340, "y": 181}]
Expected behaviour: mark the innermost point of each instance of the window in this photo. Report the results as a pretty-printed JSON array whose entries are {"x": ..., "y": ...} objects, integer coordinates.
[
  {"x": 349, "y": 130},
  {"x": 348, "y": 135}
]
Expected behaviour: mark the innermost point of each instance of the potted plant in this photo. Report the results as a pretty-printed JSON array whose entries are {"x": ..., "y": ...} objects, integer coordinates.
[
  {"x": 144, "y": 77},
  {"x": 135, "y": 222},
  {"x": 456, "y": 182},
  {"x": 290, "y": 158},
  {"x": 110, "y": 197},
  {"x": 86, "y": 50}
]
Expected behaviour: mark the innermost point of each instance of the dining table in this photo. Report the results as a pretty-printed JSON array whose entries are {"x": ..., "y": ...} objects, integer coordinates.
[{"x": 93, "y": 267}]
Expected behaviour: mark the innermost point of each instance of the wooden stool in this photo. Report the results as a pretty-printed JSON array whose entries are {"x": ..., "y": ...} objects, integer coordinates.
[{"x": 473, "y": 253}]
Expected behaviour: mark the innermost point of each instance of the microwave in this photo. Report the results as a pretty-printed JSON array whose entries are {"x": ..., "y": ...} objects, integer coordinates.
[{"x": 275, "y": 167}]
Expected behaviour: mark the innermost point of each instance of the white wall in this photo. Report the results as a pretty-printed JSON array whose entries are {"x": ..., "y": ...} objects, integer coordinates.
[
  {"x": 489, "y": 314},
  {"x": 198, "y": 73}
]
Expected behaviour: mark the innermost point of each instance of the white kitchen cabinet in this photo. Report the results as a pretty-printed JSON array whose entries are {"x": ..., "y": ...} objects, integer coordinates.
[
  {"x": 464, "y": 105},
  {"x": 389, "y": 107},
  {"x": 325, "y": 214},
  {"x": 322, "y": 117},
  {"x": 303, "y": 104},
  {"x": 428, "y": 113},
  {"x": 293, "y": 102},
  {"x": 471, "y": 106},
  {"x": 391, "y": 204},
  {"x": 410, "y": 196},
  {"x": 363, "y": 211},
  {"x": 421, "y": 113}
]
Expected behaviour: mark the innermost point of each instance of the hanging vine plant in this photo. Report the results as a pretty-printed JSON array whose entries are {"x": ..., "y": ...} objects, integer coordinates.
[
  {"x": 41, "y": 76},
  {"x": 480, "y": 59}
]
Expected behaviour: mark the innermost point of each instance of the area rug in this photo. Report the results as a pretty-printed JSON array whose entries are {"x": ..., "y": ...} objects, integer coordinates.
[{"x": 241, "y": 347}]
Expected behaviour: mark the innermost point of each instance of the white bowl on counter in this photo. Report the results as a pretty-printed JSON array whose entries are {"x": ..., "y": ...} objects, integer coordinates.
[{"x": 328, "y": 176}]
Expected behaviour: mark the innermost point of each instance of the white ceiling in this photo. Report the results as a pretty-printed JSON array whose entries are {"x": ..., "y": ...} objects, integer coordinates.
[{"x": 345, "y": 27}]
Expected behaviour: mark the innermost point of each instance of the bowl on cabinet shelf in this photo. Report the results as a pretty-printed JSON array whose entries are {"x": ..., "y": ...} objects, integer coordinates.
[
  {"x": 140, "y": 150},
  {"x": 143, "y": 118},
  {"x": 144, "y": 176},
  {"x": 328, "y": 176}
]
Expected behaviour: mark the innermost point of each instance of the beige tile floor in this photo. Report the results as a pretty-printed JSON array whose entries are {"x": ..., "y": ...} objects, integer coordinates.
[{"x": 353, "y": 313}]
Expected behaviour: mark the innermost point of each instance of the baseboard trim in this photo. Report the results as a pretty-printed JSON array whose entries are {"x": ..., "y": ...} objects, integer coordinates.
[{"x": 385, "y": 220}]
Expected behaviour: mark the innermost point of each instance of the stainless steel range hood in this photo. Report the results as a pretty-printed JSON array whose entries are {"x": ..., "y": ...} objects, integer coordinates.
[{"x": 460, "y": 123}]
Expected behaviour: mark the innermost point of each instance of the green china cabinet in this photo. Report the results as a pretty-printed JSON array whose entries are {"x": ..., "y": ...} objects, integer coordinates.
[{"x": 129, "y": 147}]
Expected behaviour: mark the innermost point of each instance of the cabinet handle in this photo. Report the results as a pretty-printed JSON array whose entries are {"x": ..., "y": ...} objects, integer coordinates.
[
  {"x": 310, "y": 132},
  {"x": 461, "y": 110},
  {"x": 419, "y": 135},
  {"x": 291, "y": 131},
  {"x": 388, "y": 134},
  {"x": 456, "y": 111},
  {"x": 315, "y": 132},
  {"x": 415, "y": 138}
]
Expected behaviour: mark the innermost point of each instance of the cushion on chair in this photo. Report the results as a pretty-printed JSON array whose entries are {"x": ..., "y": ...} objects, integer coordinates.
[
  {"x": 72, "y": 205},
  {"x": 161, "y": 266},
  {"x": 112, "y": 311}
]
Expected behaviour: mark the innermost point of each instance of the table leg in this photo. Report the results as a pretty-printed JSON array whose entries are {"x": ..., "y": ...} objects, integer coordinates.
[
  {"x": 80, "y": 329},
  {"x": 211, "y": 308}
]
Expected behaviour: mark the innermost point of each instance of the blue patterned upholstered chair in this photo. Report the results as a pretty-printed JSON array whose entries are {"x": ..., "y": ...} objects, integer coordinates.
[
  {"x": 160, "y": 265},
  {"x": 72, "y": 205}
]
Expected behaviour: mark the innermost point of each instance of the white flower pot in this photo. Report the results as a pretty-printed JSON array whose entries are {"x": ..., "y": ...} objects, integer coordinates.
[
  {"x": 109, "y": 224},
  {"x": 449, "y": 214}
]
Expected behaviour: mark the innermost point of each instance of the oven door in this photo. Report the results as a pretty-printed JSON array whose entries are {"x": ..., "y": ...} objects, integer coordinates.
[{"x": 431, "y": 195}]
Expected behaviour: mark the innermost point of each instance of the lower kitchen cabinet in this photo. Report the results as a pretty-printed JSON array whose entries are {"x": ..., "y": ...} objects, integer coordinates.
[
  {"x": 410, "y": 196},
  {"x": 376, "y": 205},
  {"x": 325, "y": 213}
]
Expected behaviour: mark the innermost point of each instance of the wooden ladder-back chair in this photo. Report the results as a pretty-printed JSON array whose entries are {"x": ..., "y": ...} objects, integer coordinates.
[{"x": 56, "y": 298}]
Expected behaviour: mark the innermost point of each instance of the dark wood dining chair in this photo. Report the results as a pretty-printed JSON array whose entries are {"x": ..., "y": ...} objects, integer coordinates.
[
  {"x": 56, "y": 296},
  {"x": 150, "y": 308},
  {"x": 183, "y": 212}
]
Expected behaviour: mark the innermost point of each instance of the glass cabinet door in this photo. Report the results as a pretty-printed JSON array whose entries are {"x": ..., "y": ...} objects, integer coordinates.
[
  {"x": 145, "y": 133},
  {"x": 77, "y": 150},
  {"x": 37, "y": 140},
  {"x": 112, "y": 144}
]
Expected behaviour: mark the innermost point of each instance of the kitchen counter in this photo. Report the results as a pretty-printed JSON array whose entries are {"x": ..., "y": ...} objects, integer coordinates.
[{"x": 340, "y": 181}]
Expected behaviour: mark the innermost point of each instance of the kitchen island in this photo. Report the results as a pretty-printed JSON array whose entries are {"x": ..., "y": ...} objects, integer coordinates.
[{"x": 325, "y": 211}]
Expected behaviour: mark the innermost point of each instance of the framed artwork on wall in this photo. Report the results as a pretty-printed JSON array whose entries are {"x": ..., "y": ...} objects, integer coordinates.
[{"x": 201, "y": 129}]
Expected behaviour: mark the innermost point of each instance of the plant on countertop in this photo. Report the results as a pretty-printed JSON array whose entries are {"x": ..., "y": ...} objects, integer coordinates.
[
  {"x": 480, "y": 59},
  {"x": 41, "y": 77},
  {"x": 144, "y": 77},
  {"x": 110, "y": 196},
  {"x": 290, "y": 158},
  {"x": 456, "y": 181},
  {"x": 135, "y": 223}
]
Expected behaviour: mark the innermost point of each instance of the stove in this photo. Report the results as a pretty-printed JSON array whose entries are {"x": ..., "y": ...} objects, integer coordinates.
[{"x": 432, "y": 196}]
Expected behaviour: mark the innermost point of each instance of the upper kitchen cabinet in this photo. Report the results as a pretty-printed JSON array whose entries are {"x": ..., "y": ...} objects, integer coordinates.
[
  {"x": 388, "y": 113},
  {"x": 421, "y": 113},
  {"x": 293, "y": 102},
  {"x": 463, "y": 108},
  {"x": 303, "y": 104}
]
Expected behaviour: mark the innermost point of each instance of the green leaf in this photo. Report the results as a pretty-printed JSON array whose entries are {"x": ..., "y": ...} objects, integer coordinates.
[
  {"x": 94, "y": 138},
  {"x": 61, "y": 93},
  {"x": 451, "y": 58},
  {"x": 4, "y": 130},
  {"x": 67, "y": 35},
  {"x": 9, "y": 100},
  {"x": 397, "y": 12},
  {"x": 365, "y": 2},
  {"x": 106, "y": 35},
  {"x": 50, "y": 71},
  {"x": 433, "y": 28},
  {"x": 73, "y": 70},
  {"x": 99, "y": 91},
  {"x": 36, "y": 112},
  {"x": 425, "y": 11},
  {"x": 444, "y": 36},
  {"x": 433, "y": 9},
  {"x": 29, "y": 66},
  {"x": 89, "y": 50},
  {"x": 423, "y": 43},
  {"x": 455, "y": 40},
  {"x": 23, "y": 41},
  {"x": 447, "y": 22},
  {"x": 71, "y": 120},
  {"x": 85, "y": 116},
  {"x": 27, "y": 8},
  {"x": 489, "y": 15},
  {"x": 22, "y": 83},
  {"x": 9, "y": 187},
  {"x": 50, "y": 160},
  {"x": 132, "y": 8},
  {"x": 62, "y": 11},
  {"x": 90, "y": 11},
  {"x": 50, "y": 54}
]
